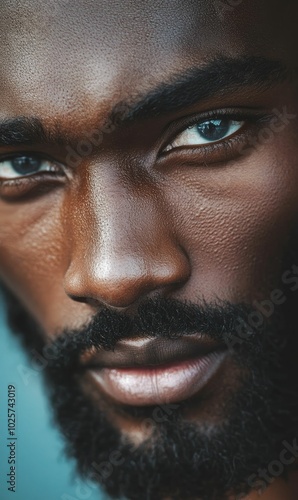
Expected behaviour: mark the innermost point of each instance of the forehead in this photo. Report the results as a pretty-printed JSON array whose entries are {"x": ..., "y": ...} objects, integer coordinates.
[{"x": 62, "y": 57}]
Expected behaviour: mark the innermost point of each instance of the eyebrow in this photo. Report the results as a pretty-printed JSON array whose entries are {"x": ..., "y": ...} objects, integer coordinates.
[
  {"x": 221, "y": 75},
  {"x": 22, "y": 131}
]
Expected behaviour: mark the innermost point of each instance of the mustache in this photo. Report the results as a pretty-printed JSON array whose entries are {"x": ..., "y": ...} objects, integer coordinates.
[{"x": 165, "y": 318}]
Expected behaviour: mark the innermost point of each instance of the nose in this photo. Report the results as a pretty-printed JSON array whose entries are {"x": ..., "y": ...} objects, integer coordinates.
[{"x": 123, "y": 248}]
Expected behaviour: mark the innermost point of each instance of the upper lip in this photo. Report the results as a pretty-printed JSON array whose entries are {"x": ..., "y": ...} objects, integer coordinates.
[{"x": 145, "y": 352}]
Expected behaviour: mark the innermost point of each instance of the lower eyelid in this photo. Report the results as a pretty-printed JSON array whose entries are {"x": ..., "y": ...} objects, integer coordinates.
[
  {"x": 21, "y": 188},
  {"x": 33, "y": 178},
  {"x": 217, "y": 152}
]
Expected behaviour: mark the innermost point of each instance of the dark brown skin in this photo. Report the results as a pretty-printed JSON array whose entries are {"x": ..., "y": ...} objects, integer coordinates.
[{"x": 123, "y": 224}]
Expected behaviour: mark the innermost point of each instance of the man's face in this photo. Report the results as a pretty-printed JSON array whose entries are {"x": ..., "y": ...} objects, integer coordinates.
[{"x": 148, "y": 152}]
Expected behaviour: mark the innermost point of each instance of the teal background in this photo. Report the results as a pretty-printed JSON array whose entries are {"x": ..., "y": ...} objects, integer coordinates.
[{"x": 43, "y": 473}]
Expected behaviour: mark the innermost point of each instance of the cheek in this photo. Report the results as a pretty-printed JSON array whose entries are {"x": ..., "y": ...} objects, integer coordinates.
[
  {"x": 33, "y": 257},
  {"x": 235, "y": 222}
]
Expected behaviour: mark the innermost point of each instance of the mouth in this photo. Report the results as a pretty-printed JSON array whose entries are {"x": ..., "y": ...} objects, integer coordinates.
[{"x": 151, "y": 371}]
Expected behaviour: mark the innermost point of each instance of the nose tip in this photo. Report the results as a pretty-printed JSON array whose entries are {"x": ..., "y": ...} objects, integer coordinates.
[
  {"x": 126, "y": 247},
  {"x": 119, "y": 284}
]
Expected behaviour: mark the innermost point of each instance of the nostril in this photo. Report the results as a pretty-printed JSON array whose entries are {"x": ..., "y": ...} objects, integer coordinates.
[
  {"x": 118, "y": 281},
  {"x": 77, "y": 298},
  {"x": 85, "y": 300}
]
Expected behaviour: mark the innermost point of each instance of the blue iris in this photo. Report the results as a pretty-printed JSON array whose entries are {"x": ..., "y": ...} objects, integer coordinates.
[{"x": 214, "y": 130}]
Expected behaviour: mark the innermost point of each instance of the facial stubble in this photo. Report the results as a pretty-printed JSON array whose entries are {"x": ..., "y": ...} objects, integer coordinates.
[{"x": 180, "y": 458}]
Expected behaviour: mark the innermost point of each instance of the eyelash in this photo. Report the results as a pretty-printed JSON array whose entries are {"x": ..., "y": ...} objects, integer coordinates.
[{"x": 249, "y": 117}]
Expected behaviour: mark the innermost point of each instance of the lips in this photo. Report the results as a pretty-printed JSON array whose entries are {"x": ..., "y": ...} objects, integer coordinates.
[{"x": 151, "y": 371}]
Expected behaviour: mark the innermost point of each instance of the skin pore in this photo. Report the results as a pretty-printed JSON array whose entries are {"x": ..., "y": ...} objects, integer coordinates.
[{"x": 145, "y": 211}]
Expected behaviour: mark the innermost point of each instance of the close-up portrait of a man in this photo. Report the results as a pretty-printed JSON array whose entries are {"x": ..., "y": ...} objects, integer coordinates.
[{"x": 149, "y": 237}]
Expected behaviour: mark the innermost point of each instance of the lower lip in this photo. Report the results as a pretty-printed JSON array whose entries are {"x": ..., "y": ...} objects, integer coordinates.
[{"x": 160, "y": 384}]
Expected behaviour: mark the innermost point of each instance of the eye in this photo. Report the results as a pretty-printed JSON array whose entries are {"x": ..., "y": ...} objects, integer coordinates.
[
  {"x": 25, "y": 166},
  {"x": 206, "y": 132}
]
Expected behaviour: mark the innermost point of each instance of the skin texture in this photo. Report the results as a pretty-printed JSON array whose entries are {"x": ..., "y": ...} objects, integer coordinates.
[{"x": 127, "y": 222}]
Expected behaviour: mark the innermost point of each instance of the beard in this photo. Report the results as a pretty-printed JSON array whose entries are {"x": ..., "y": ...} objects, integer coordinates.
[{"x": 180, "y": 458}]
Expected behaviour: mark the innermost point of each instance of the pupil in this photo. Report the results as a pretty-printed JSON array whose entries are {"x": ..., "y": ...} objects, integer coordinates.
[
  {"x": 213, "y": 130},
  {"x": 26, "y": 165}
]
